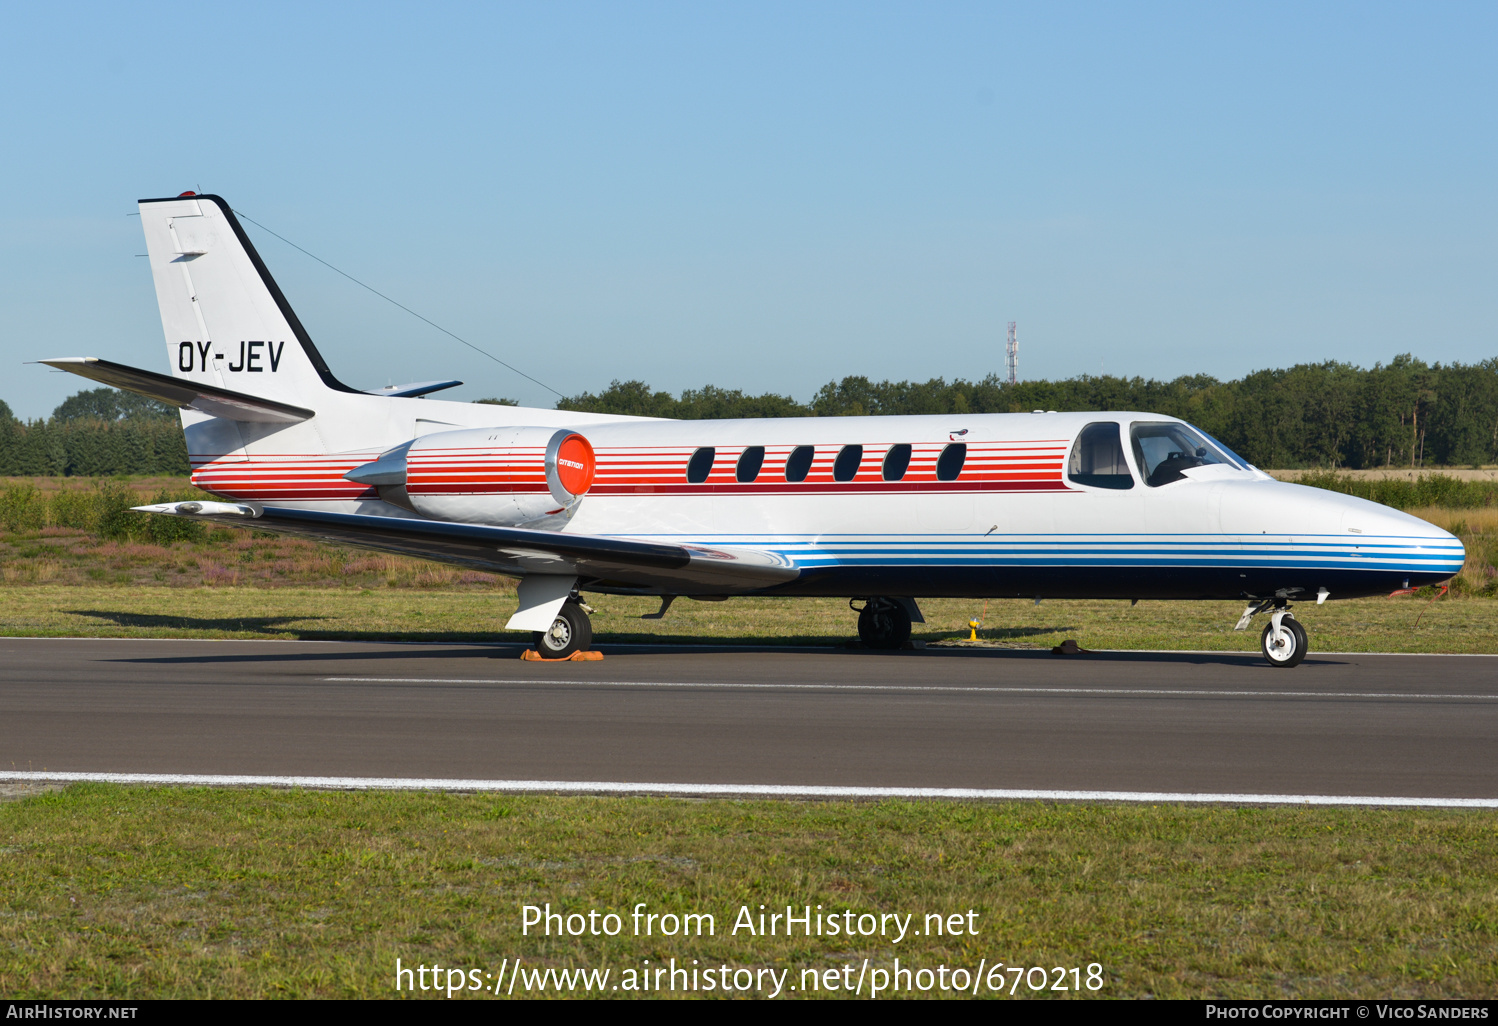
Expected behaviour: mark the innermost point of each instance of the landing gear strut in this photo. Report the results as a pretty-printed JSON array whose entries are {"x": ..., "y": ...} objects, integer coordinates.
[
  {"x": 882, "y": 623},
  {"x": 570, "y": 632},
  {"x": 1284, "y": 641}
]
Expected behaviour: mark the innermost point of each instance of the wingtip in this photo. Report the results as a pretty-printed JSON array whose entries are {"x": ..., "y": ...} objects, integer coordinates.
[{"x": 199, "y": 508}]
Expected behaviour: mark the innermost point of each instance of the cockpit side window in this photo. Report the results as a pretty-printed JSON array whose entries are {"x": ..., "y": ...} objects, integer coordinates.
[
  {"x": 1166, "y": 450},
  {"x": 1097, "y": 458}
]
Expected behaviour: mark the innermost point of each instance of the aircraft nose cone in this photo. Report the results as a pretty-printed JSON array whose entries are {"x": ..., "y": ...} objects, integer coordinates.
[
  {"x": 1369, "y": 518},
  {"x": 1429, "y": 553}
]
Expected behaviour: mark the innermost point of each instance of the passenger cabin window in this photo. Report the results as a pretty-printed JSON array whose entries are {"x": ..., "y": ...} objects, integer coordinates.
[
  {"x": 1166, "y": 451},
  {"x": 949, "y": 463},
  {"x": 749, "y": 463},
  {"x": 846, "y": 464},
  {"x": 701, "y": 464},
  {"x": 798, "y": 463},
  {"x": 896, "y": 462},
  {"x": 1098, "y": 458}
]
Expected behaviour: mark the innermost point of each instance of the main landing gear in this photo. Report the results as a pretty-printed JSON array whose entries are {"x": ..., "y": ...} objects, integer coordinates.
[
  {"x": 570, "y": 632},
  {"x": 1284, "y": 641},
  {"x": 883, "y": 623}
]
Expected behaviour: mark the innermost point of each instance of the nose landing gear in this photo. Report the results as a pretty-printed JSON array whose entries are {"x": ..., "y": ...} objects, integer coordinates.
[{"x": 1284, "y": 641}]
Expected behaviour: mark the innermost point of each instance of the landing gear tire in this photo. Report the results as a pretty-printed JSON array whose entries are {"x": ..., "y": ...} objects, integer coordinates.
[
  {"x": 883, "y": 624},
  {"x": 1287, "y": 646},
  {"x": 570, "y": 632}
]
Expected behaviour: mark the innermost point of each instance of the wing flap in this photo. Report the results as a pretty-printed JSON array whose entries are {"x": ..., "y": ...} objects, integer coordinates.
[
  {"x": 181, "y": 393},
  {"x": 627, "y": 562}
]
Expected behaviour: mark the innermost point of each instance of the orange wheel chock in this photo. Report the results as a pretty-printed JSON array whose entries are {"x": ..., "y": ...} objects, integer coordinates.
[{"x": 530, "y": 655}]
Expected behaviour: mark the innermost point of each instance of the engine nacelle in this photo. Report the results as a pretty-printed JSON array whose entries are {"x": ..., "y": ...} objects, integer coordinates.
[{"x": 506, "y": 476}]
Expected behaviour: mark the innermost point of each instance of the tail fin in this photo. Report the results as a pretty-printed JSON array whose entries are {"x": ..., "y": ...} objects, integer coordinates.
[{"x": 226, "y": 322}]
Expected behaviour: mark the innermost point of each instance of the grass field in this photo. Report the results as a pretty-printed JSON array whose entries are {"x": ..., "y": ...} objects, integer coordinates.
[
  {"x": 224, "y": 893},
  {"x": 1396, "y": 473},
  {"x": 1404, "y": 624}
]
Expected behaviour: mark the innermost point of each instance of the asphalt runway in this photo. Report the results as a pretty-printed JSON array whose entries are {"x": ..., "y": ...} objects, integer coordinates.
[{"x": 1338, "y": 725}]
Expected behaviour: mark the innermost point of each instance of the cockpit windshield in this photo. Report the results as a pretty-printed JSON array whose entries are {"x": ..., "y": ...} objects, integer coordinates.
[
  {"x": 1164, "y": 450},
  {"x": 1233, "y": 457}
]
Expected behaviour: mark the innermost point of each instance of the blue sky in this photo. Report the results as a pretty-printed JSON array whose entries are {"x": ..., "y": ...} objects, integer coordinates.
[{"x": 767, "y": 196}]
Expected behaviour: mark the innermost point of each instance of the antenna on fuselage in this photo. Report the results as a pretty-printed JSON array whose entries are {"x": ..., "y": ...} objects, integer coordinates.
[{"x": 1011, "y": 354}]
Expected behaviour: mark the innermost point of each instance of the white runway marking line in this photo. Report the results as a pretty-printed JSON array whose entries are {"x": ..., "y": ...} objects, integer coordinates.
[
  {"x": 751, "y": 790},
  {"x": 904, "y": 687}
]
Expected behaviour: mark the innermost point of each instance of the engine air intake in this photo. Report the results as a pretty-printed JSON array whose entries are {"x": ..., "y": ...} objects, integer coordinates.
[{"x": 574, "y": 464}]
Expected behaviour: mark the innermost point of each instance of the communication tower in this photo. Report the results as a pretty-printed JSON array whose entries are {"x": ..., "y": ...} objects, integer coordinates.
[{"x": 1011, "y": 355}]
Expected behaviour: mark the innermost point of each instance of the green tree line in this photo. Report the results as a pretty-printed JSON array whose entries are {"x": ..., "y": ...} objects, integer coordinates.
[
  {"x": 1330, "y": 415},
  {"x": 97, "y": 433}
]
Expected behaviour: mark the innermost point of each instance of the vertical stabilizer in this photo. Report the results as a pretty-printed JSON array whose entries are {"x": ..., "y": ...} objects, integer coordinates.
[{"x": 225, "y": 320}]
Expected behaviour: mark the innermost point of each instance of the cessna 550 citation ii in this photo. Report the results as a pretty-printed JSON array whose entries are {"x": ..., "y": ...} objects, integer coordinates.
[{"x": 885, "y": 510}]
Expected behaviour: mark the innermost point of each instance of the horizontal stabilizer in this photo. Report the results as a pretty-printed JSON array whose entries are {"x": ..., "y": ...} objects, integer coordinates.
[
  {"x": 619, "y": 562},
  {"x": 414, "y": 389},
  {"x": 182, "y": 393}
]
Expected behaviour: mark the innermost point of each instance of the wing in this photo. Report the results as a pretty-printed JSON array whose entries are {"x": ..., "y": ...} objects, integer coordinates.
[{"x": 615, "y": 563}]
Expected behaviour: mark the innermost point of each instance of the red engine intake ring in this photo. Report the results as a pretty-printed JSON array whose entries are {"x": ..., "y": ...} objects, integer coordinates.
[{"x": 575, "y": 464}]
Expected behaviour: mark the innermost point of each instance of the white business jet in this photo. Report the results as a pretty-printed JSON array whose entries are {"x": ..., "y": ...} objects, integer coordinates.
[{"x": 884, "y": 510}]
